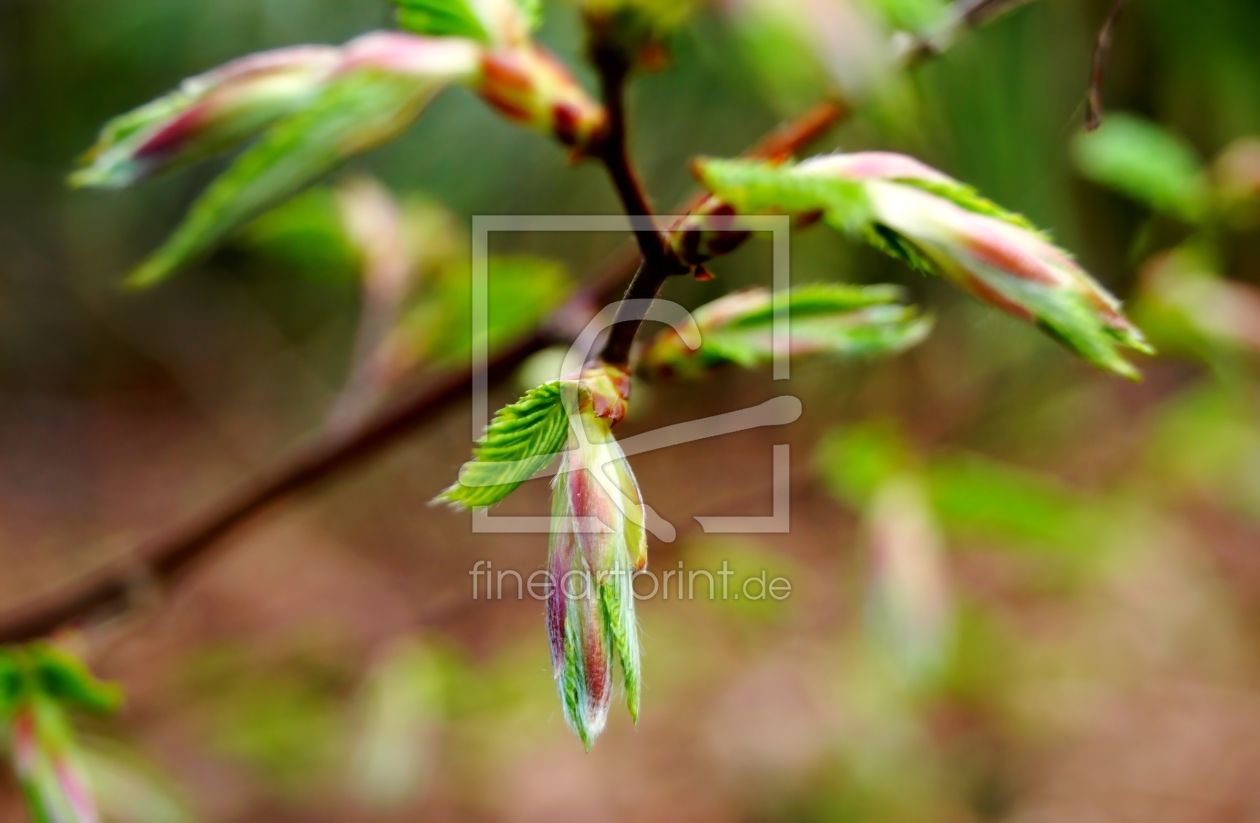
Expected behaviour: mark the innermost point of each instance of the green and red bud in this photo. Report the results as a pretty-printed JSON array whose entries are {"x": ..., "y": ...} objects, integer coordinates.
[
  {"x": 598, "y": 541},
  {"x": 227, "y": 106},
  {"x": 207, "y": 114},
  {"x": 1011, "y": 268},
  {"x": 530, "y": 87}
]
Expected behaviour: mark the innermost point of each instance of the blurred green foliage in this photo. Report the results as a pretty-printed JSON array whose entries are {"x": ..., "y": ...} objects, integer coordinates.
[{"x": 1146, "y": 162}]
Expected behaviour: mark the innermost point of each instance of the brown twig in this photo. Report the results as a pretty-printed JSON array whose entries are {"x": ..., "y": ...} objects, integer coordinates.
[
  {"x": 613, "y": 63},
  {"x": 172, "y": 553},
  {"x": 1094, "y": 104}
]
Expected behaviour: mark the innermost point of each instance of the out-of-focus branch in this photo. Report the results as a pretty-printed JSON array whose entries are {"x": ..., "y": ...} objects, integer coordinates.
[
  {"x": 169, "y": 555},
  {"x": 1098, "y": 68}
]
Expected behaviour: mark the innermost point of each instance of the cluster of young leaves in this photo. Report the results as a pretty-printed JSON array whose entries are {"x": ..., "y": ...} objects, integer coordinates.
[
  {"x": 351, "y": 116},
  {"x": 938, "y": 225},
  {"x": 312, "y": 108}
]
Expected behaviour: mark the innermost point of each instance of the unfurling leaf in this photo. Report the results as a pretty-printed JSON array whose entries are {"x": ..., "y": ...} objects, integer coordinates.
[
  {"x": 598, "y": 541},
  {"x": 843, "y": 321},
  {"x": 1145, "y": 162},
  {"x": 63, "y": 677},
  {"x": 385, "y": 83},
  {"x": 598, "y": 530},
  {"x": 800, "y": 51},
  {"x": 40, "y": 682},
  {"x": 521, "y": 440},
  {"x": 208, "y": 114},
  {"x": 938, "y": 225}
]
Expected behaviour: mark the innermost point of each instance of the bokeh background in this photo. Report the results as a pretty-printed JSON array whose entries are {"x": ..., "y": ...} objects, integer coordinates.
[{"x": 1075, "y": 639}]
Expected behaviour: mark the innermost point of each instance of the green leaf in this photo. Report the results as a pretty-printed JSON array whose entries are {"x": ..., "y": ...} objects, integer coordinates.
[
  {"x": 480, "y": 20},
  {"x": 1145, "y": 162},
  {"x": 305, "y": 233},
  {"x": 820, "y": 300},
  {"x": 521, "y": 440},
  {"x": 973, "y": 495},
  {"x": 754, "y": 187},
  {"x": 853, "y": 462},
  {"x": 522, "y": 291},
  {"x": 1069, "y": 319},
  {"x": 355, "y": 113},
  {"x": 66, "y": 679}
]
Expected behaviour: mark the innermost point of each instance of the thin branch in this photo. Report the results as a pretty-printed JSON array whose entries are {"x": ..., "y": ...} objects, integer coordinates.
[
  {"x": 1094, "y": 105},
  {"x": 168, "y": 556},
  {"x": 614, "y": 154},
  {"x": 613, "y": 64}
]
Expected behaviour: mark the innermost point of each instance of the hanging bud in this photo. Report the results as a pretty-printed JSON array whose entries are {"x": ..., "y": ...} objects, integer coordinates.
[
  {"x": 910, "y": 614},
  {"x": 598, "y": 541},
  {"x": 207, "y": 114},
  {"x": 529, "y": 86},
  {"x": 53, "y": 781},
  {"x": 935, "y": 223}
]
